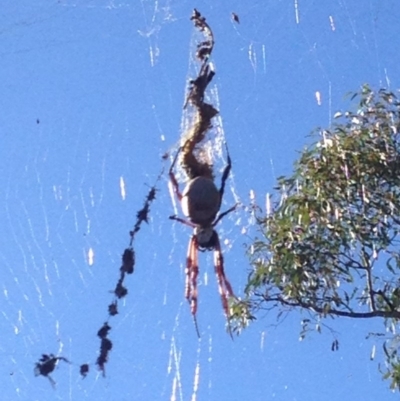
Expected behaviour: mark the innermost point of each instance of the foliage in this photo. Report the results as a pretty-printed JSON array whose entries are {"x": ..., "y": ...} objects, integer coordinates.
[{"x": 330, "y": 245}]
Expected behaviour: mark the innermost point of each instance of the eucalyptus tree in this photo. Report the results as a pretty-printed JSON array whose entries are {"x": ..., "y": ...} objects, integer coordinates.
[{"x": 328, "y": 244}]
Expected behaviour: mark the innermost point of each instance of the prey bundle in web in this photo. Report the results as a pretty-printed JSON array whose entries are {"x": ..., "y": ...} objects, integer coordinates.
[{"x": 196, "y": 154}]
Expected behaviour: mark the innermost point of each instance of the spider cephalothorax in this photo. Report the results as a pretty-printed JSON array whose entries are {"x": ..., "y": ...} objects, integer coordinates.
[{"x": 201, "y": 201}]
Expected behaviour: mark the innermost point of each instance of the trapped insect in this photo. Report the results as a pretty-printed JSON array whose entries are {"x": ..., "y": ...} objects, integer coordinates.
[{"x": 47, "y": 363}]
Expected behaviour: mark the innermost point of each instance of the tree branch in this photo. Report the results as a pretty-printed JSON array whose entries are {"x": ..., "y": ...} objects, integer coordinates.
[
  {"x": 358, "y": 315},
  {"x": 367, "y": 265}
]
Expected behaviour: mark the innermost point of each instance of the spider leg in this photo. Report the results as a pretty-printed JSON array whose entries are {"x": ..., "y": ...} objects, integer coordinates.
[
  {"x": 225, "y": 175},
  {"x": 192, "y": 271},
  {"x": 222, "y": 215},
  {"x": 183, "y": 221},
  {"x": 173, "y": 180},
  {"x": 224, "y": 286}
]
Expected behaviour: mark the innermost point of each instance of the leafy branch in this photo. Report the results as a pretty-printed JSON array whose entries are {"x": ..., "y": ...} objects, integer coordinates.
[{"x": 331, "y": 244}]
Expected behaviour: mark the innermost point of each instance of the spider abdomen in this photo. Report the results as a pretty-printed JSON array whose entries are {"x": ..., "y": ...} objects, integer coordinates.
[{"x": 200, "y": 201}]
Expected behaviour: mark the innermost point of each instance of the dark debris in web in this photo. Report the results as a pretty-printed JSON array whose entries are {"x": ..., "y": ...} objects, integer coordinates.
[{"x": 48, "y": 362}]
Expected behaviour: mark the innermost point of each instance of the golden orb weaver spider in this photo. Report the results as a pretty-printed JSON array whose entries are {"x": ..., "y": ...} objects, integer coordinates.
[{"x": 200, "y": 202}]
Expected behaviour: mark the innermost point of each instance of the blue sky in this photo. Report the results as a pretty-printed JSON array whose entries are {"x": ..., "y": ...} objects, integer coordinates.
[{"x": 92, "y": 93}]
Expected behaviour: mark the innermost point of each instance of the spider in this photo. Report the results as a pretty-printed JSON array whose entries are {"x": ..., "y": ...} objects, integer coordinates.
[{"x": 201, "y": 201}]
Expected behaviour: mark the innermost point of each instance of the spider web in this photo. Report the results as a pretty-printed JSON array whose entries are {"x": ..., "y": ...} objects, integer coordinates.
[{"x": 92, "y": 100}]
